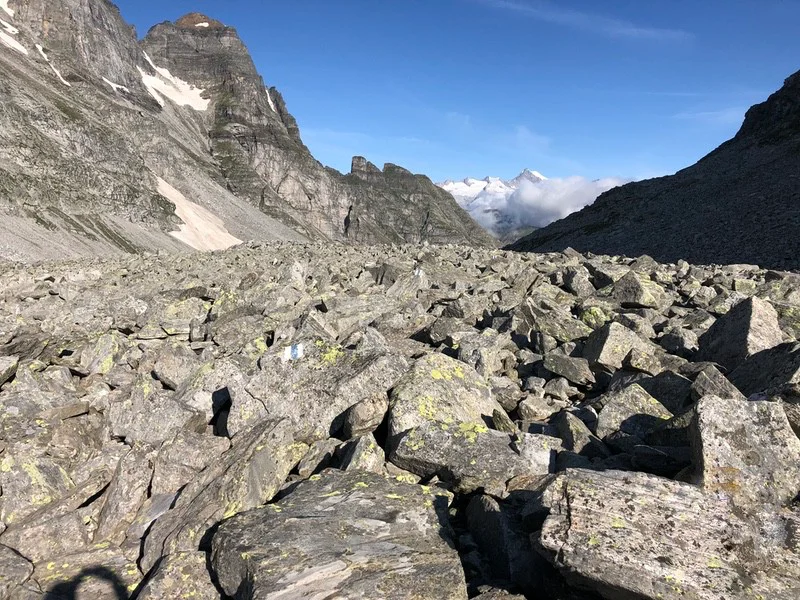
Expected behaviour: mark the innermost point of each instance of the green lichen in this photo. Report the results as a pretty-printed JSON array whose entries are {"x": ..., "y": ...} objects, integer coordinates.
[{"x": 470, "y": 431}]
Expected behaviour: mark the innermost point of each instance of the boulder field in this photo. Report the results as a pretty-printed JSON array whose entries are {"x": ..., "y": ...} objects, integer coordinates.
[{"x": 293, "y": 421}]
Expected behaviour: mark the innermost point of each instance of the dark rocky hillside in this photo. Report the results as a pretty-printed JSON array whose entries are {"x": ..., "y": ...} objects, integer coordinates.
[{"x": 739, "y": 204}]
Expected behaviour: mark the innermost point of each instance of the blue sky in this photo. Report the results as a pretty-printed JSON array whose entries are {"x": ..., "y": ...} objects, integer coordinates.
[{"x": 450, "y": 88}]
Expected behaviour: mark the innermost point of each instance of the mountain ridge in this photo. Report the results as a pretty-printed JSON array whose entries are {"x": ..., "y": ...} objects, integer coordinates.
[
  {"x": 738, "y": 204},
  {"x": 108, "y": 115}
]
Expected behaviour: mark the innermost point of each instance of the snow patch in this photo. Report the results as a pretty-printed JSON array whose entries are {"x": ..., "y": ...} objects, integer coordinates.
[
  {"x": 52, "y": 66},
  {"x": 201, "y": 25},
  {"x": 165, "y": 84},
  {"x": 202, "y": 230},
  {"x": 4, "y": 6},
  {"x": 7, "y": 40},
  {"x": 117, "y": 87},
  {"x": 271, "y": 103}
]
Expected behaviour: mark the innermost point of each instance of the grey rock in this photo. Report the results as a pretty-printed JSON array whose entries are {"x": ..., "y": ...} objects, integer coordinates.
[
  {"x": 246, "y": 476},
  {"x": 321, "y": 539},
  {"x": 768, "y": 369},
  {"x": 499, "y": 533},
  {"x": 631, "y": 412},
  {"x": 747, "y": 452},
  {"x": 575, "y": 370},
  {"x": 601, "y": 534},
  {"x": 181, "y": 458},
  {"x": 577, "y": 437},
  {"x": 710, "y": 382},
  {"x": 180, "y": 575},
  {"x": 471, "y": 456},
  {"x": 364, "y": 454},
  {"x": 8, "y": 367},
  {"x": 607, "y": 347},
  {"x": 125, "y": 494},
  {"x": 539, "y": 408},
  {"x": 681, "y": 342},
  {"x": 174, "y": 365},
  {"x": 100, "y": 572},
  {"x": 14, "y": 572},
  {"x": 634, "y": 291},
  {"x": 750, "y": 327},
  {"x": 539, "y": 315},
  {"x": 319, "y": 457},
  {"x": 646, "y": 362},
  {"x": 365, "y": 416}
]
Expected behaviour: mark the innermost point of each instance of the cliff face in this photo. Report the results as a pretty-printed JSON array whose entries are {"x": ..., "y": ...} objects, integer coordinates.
[
  {"x": 94, "y": 122},
  {"x": 739, "y": 204},
  {"x": 258, "y": 146}
]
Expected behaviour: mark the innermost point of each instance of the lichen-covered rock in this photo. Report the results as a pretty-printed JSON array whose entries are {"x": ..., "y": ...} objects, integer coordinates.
[
  {"x": 246, "y": 476},
  {"x": 345, "y": 535},
  {"x": 438, "y": 388},
  {"x": 316, "y": 388},
  {"x": 631, "y": 535},
  {"x": 746, "y": 451},
  {"x": 750, "y": 327},
  {"x": 180, "y": 575},
  {"x": 471, "y": 456}
]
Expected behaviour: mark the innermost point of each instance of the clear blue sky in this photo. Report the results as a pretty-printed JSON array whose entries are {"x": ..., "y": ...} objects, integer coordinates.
[{"x": 451, "y": 88}]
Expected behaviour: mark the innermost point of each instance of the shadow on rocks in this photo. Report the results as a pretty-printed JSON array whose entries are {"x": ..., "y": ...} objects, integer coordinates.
[{"x": 68, "y": 590}]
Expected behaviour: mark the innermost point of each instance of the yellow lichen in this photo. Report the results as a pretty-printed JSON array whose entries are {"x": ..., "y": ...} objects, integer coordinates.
[
  {"x": 618, "y": 523},
  {"x": 470, "y": 431}
]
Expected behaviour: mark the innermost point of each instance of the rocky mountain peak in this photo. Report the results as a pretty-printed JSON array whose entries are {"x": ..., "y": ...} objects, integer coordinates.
[
  {"x": 362, "y": 165},
  {"x": 196, "y": 21},
  {"x": 178, "y": 123},
  {"x": 778, "y": 117}
]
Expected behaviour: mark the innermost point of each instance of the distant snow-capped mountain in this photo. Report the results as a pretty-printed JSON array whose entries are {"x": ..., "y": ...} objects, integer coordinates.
[{"x": 512, "y": 208}]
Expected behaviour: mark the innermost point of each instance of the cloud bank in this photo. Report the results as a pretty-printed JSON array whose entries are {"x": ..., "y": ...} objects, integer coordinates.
[{"x": 535, "y": 204}]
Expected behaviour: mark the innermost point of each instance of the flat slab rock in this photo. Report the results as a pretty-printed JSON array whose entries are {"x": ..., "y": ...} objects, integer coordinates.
[
  {"x": 631, "y": 535},
  {"x": 342, "y": 535},
  {"x": 471, "y": 456},
  {"x": 746, "y": 451}
]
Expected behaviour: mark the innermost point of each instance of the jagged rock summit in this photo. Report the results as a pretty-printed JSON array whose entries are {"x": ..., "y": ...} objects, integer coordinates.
[
  {"x": 739, "y": 204},
  {"x": 112, "y": 144}
]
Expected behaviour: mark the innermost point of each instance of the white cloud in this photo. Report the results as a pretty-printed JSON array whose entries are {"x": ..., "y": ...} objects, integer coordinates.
[
  {"x": 539, "y": 204},
  {"x": 617, "y": 28},
  {"x": 505, "y": 209}
]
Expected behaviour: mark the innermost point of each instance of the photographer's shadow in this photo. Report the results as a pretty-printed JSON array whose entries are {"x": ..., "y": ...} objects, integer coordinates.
[{"x": 68, "y": 590}]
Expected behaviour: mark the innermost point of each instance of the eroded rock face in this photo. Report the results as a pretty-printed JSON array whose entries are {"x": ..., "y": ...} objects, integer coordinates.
[
  {"x": 349, "y": 535},
  {"x": 186, "y": 420},
  {"x": 174, "y": 142}
]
